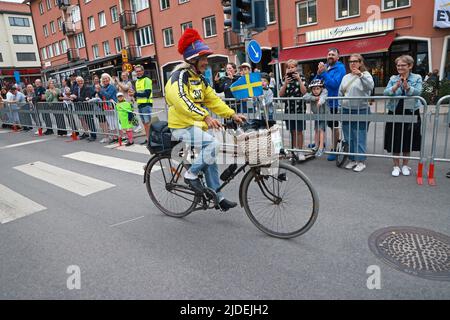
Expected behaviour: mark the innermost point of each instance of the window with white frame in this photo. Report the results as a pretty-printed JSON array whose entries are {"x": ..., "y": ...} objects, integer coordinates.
[
  {"x": 185, "y": 26},
  {"x": 306, "y": 12},
  {"x": 49, "y": 4},
  {"x": 106, "y": 48},
  {"x": 79, "y": 40},
  {"x": 76, "y": 16},
  {"x": 138, "y": 5},
  {"x": 347, "y": 8},
  {"x": 91, "y": 23},
  {"x": 168, "y": 37},
  {"x": 41, "y": 8},
  {"x": 182, "y": 1},
  {"x": 95, "y": 51},
  {"x": 102, "y": 19},
  {"x": 45, "y": 31},
  {"x": 271, "y": 11},
  {"x": 50, "y": 51},
  {"x": 60, "y": 23},
  {"x": 56, "y": 49},
  {"x": 63, "y": 44},
  {"x": 144, "y": 36},
  {"x": 52, "y": 27},
  {"x": 114, "y": 14},
  {"x": 118, "y": 44},
  {"x": 44, "y": 53},
  {"x": 164, "y": 4},
  {"x": 395, "y": 4},
  {"x": 87, "y": 1},
  {"x": 209, "y": 26}
]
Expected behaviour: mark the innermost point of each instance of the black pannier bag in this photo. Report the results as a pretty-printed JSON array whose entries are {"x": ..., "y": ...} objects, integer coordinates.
[{"x": 160, "y": 138}]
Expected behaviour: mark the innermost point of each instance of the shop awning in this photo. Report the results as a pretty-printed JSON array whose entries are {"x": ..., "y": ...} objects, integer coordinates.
[{"x": 319, "y": 51}]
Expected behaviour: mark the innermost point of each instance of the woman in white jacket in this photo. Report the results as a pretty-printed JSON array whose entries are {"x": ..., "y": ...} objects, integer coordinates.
[{"x": 358, "y": 83}]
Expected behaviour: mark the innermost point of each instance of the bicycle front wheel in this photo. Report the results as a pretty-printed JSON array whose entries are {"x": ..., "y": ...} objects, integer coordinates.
[
  {"x": 282, "y": 204},
  {"x": 166, "y": 187}
]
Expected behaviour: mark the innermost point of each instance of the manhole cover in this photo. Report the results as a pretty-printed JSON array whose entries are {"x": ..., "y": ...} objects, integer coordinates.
[{"x": 416, "y": 251}]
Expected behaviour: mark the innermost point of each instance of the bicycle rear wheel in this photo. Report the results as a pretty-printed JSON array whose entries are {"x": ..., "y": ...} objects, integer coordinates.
[
  {"x": 283, "y": 205},
  {"x": 165, "y": 186}
]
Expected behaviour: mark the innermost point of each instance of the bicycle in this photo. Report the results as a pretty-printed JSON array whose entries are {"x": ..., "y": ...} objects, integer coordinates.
[{"x": 267, "y": 198}]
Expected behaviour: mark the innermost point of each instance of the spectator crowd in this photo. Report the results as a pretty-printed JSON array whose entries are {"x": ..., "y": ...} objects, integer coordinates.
[{"x": 131, "y": 98}]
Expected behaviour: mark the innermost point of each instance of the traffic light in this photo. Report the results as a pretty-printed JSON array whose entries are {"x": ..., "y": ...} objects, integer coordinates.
[{"x": 250, "y": 14}]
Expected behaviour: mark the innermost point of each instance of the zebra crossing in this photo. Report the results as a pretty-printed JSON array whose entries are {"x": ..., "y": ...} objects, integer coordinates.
[{"x": 14, "y": 205}]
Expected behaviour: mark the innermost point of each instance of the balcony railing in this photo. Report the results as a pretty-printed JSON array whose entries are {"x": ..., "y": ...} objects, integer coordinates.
[
  {"x": 232, "y": 40},
  {"x": 128, "y": 20},
  {"x": 73, "y": 54},
  {"x": 63, "y": 4},
  {"x": 134, "y": 52},
  {"x": 68, "y": 28}
]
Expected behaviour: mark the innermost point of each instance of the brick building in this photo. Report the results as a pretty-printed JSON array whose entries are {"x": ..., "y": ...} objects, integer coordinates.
[{"x": 86, "y": 36}]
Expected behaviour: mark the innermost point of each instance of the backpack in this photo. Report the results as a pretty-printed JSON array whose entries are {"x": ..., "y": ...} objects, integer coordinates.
[{"x": 160, "y": 138}]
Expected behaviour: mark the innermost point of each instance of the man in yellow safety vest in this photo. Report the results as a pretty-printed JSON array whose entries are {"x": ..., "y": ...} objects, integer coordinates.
[{"x": 144, "y": 98}]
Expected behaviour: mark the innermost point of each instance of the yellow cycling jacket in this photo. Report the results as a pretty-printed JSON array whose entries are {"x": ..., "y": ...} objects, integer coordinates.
[{"x": 187, "y": 95}]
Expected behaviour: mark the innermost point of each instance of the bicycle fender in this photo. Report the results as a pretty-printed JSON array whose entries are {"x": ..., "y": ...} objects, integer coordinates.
[
  {"x": 241, "y": 200},
  {"x": 145, "y": 169}
]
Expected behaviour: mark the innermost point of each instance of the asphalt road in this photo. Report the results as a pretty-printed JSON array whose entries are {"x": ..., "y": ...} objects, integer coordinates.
[{"x": 125, "y": 248}]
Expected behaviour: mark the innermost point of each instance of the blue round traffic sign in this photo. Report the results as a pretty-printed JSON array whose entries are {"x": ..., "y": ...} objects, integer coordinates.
[{"x": 254, "y": 51}]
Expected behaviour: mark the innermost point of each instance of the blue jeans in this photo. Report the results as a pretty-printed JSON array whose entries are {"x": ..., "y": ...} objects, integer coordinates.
[
  {"x": 355, "y": 132},
  {"x": 206, "y": 159}
]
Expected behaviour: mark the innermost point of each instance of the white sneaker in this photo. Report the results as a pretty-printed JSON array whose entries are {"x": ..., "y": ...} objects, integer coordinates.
[
  {"x": 396, "y": 171},
  {"x": 360, "y": 167},
  {"x": 36, "y": 133},
  {"x": 351, "y": 165},
  {"x": 406, "y": 171},
  {"x": 104, "y": 140}
]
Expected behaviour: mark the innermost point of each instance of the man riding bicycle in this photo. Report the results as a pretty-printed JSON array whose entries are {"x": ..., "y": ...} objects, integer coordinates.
[{"x": 189, "y": 97}]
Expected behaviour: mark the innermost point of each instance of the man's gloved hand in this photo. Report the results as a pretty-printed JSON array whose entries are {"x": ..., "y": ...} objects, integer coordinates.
[{"x": 130, "y": 116}]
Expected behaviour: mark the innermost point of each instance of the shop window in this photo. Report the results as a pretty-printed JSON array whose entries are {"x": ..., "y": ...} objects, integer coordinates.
[
  {"x": 447, "y": 62},
  {"x": 306, "y": 12}
]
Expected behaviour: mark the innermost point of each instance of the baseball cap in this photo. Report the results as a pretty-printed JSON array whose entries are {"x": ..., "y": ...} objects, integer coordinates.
[
  {"x": 245, "y": 64},
  {"x": 119, "y": 94}
]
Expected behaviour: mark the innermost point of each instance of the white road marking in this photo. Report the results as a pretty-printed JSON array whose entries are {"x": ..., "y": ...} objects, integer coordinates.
[
  {"x": 120, "y": 164},
  {"x": 120, "y": 223},
  {"x": 65, "y": 179},
  {"x": 14, "y": 206},
  {"x": 23, "y": 143},
  {"x": 136, "y": 148}
]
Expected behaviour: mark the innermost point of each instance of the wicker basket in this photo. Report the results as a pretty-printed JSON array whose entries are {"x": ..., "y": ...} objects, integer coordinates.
[{"x": 260, "y": 147}]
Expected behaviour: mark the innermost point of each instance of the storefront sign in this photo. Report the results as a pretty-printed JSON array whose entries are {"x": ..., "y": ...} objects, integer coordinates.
[
  {"x": 47, "y": 64},
  {"x": 442, "y": 14},
  {"x": 351, "y": 30}
]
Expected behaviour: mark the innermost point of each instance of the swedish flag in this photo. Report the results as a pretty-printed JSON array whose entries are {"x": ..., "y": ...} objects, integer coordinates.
[{"x": 247, "y": 86}]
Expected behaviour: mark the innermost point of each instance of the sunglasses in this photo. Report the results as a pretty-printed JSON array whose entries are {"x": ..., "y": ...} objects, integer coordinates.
[{"x": 354, "y": 61}]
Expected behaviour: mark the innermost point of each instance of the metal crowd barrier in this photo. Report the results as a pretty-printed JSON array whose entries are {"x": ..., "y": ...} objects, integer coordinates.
[
  {"x": 78, "y": 117},
  {"x": 441, "y": 132},
  {"x": 298, "y": 123}
]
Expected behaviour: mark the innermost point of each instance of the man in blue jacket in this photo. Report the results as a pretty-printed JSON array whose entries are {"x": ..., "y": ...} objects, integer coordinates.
[{"x": 331, "y": 74}]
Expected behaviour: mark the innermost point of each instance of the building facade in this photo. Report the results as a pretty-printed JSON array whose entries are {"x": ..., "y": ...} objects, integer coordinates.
[
  {"x": 381, "y": 30},
  {"x": 89, "y": 36},
  {"x": 19, "y": 57}
]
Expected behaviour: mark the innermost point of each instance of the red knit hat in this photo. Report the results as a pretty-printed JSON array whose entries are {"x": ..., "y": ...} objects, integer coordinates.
[{"x": 191, "y": 45}]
